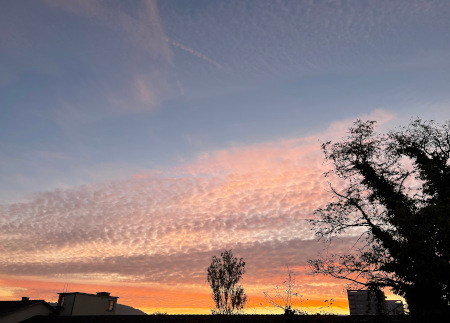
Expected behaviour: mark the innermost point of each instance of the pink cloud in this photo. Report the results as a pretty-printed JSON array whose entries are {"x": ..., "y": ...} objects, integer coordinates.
[{"x": 162, "y": 227}]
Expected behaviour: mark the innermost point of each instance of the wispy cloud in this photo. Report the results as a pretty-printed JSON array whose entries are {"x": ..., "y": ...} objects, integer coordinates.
[{"x": 145, "y": 70}]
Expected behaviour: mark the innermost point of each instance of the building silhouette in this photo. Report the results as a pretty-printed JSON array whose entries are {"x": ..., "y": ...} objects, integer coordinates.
[
  {"x": 17, "y": 311},
  {"x": 372, "y": 302},
  {"x": 77, "y": 303},
  {"x": 394, "y": 307}
]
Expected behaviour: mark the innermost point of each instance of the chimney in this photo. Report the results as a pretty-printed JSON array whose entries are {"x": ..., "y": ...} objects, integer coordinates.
[
  {"x": 25, "y": 299},
  {"x": 103, "y": 294}
]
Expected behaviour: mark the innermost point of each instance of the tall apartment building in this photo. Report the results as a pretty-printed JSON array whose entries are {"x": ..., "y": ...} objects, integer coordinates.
[{"x": 372, "y": 302}]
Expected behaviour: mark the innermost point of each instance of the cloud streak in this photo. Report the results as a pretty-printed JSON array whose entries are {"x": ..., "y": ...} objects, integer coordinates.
[{"x": 194, "y": 52}]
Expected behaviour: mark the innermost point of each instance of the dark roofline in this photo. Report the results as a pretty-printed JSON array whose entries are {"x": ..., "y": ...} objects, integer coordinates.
[
  {"x": 80, "y": 293},
  {"x": 14, "y": 306}
]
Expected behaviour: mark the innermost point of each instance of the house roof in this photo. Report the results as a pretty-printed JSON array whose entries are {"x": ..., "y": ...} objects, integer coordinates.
[
  {"x": 101, "y": 294},
  {"x": 8, "y": 307}
]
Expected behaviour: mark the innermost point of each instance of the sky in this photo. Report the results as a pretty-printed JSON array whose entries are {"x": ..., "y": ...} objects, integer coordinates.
[{"x": 140, "y": 138}]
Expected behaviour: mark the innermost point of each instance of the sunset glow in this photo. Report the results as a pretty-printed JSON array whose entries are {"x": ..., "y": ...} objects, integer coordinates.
[{"x": 140, "y": 138}]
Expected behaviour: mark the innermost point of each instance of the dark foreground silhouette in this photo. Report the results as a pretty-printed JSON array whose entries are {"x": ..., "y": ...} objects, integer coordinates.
[{"x": 221, "y": 319}]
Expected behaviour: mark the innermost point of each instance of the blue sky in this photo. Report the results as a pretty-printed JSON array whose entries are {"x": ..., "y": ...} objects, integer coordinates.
[
  {"x": 91, "y": 89},
  {"x": 159, "y": 107}
]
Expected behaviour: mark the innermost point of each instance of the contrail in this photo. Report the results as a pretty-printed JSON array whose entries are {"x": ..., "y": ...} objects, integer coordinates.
[{"x": 193, "y": 52}]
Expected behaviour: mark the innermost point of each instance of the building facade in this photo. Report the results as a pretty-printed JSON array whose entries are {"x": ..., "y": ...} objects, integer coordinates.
[{"x": 77, "y": 303}]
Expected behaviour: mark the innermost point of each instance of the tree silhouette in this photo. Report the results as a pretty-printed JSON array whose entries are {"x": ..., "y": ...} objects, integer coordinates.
[
  {"x": 224, "y": 275},
  {"x": 395, "y": 189},
  {"x": 285, "y": 296}
]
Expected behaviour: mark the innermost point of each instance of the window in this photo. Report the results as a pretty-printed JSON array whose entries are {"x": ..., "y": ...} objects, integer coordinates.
[{"x": 111, "y": 306}]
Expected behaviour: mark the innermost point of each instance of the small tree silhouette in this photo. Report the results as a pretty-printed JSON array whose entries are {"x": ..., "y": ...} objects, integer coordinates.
[{"x": 224, "y": 275}]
